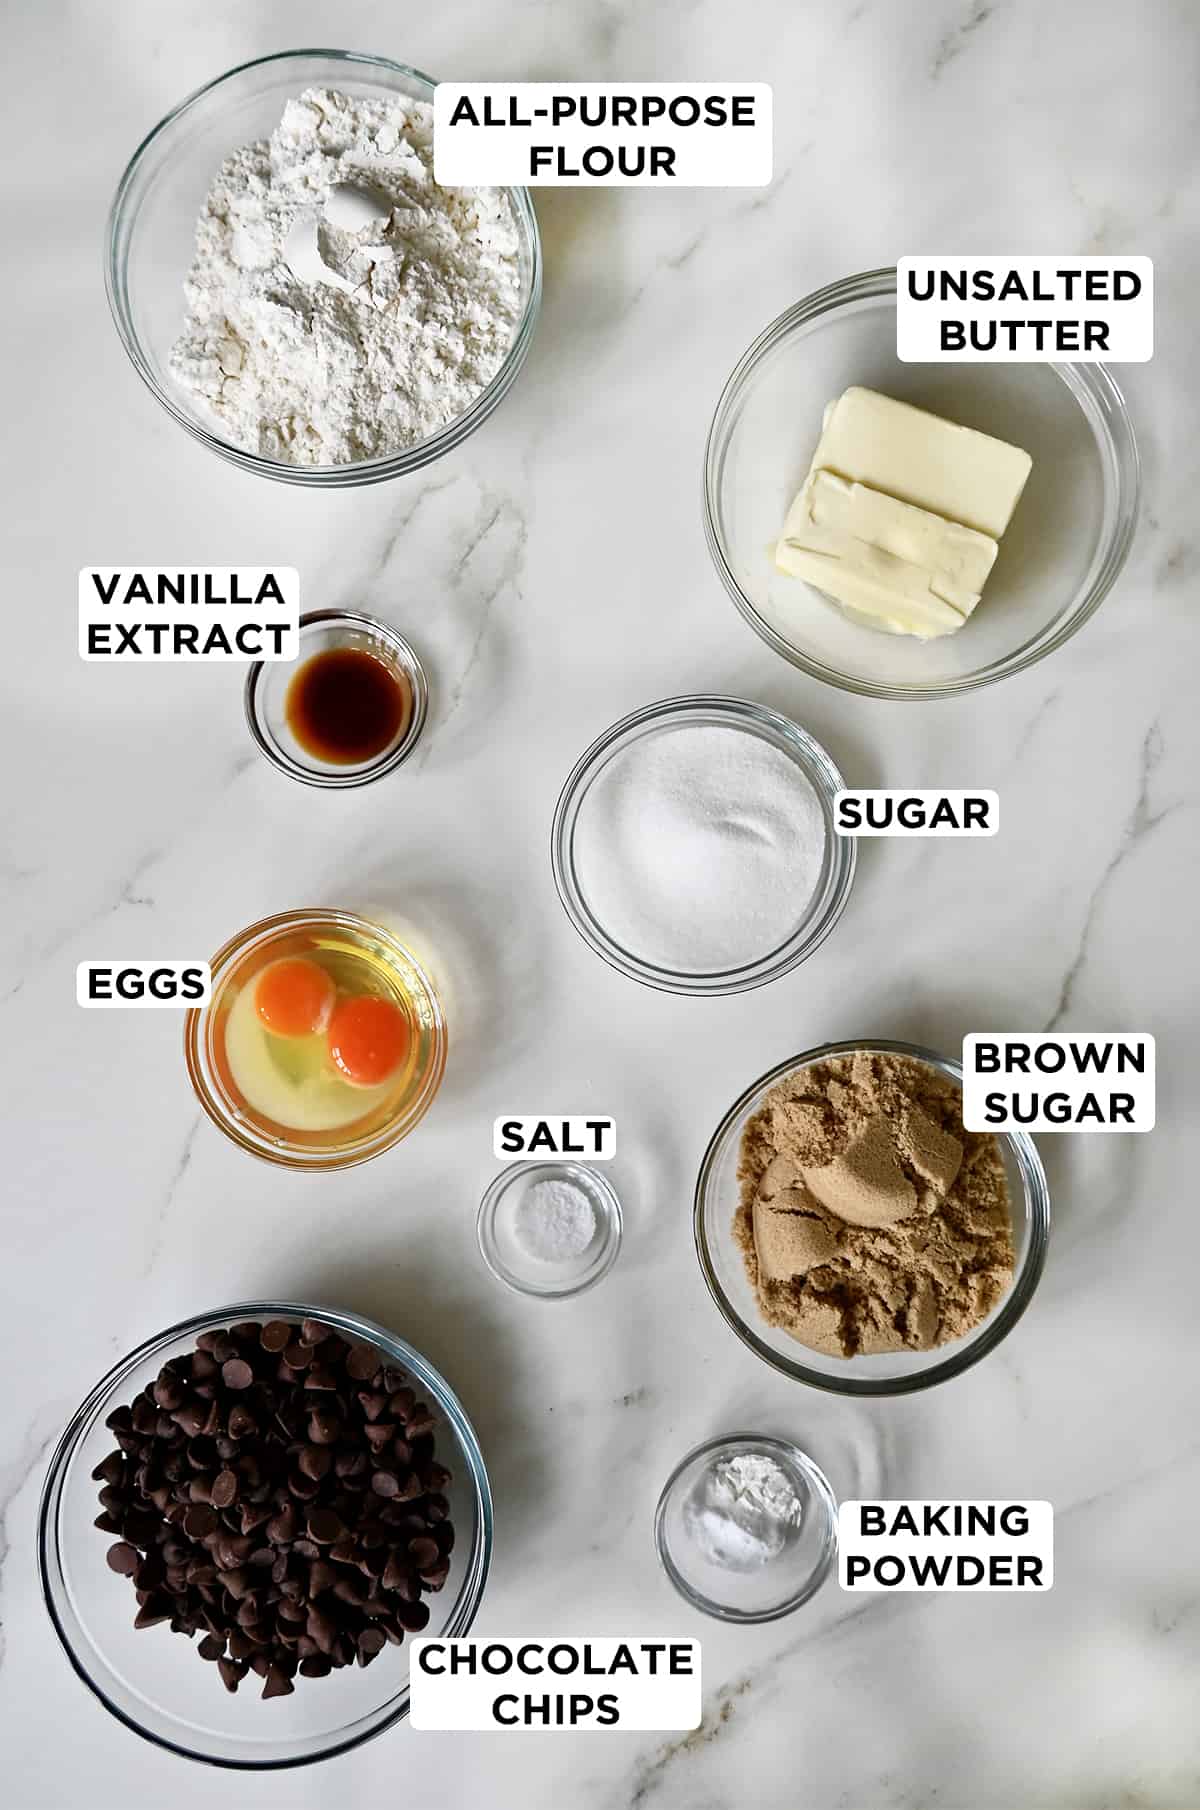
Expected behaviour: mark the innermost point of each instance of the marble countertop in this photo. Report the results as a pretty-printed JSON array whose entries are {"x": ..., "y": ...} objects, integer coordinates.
[{"x": 553, "y": 573}]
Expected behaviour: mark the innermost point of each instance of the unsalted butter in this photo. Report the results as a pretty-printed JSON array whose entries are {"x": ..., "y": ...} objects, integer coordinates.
[
  {"x": 953, "y": 471},
  {"x": 900, "y": 513},
  {"x": 916, "y": 572}
]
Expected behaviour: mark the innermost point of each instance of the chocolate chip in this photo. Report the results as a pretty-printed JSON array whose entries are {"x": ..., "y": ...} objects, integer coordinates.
[
  {"x": 123, "y": 1558},
  {"x": 232, "y": 1672},
  {"x": 315, "y": 1461},
  {"x": 277, "y": 1683},
  {"x": 276, "y": 1335},
  {"x": 236, "y": 1373},
  {"x": 154, "y": 1610},
  {"x": 324, "y": 1526},
  {"x": 313, "y": 1332},
  {"x": 212, "y": 1646},
  {"x": 362, "y": 1361},
  {"x": 413, "y": 1616},
  {"x": 224, "y": 1489},
  {"x": 199, "y": 1520}
]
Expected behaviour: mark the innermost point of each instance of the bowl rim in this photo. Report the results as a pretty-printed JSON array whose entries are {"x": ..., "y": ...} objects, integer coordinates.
[
  {"x": 471, "y": 1592},
  {"x": 356, "y": 472},
  {"x": 823, "y": 775},
  {"x": 1005, "y": 1316},
  {"x": 193, "y": 1045},
  {"x": 1094, "y": 379},
  {"x": 485, "y": 1219},
  {"x": 328, "y": 778},
  {"x": 822, "y": 1491}
]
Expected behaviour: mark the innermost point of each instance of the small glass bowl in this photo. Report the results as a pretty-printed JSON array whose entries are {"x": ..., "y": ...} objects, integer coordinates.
[
  {"x": 267, "y": 685},
  {"x": 507, "y": 1258},
  {"x": 890, "y": 1373},
  {"x": 782, "y": 1583},
  {"x": 1069, "y": 537},
  {"x": 153, "y": 221},
  {"x": 152, "y": 1680},
  {"x": 250, "y": 945},
  {"x": 829, "y": 897}
]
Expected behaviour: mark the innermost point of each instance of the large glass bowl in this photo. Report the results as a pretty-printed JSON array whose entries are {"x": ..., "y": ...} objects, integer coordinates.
[
  {"x": 892, "y": 1373},
  {"x": 153, "y": 1680},
  {"x": 1067, "y": 542},
  {"x": 153, "y": 222}
]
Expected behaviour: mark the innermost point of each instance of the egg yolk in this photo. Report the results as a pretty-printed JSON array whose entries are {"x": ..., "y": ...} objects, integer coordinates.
[
  {"x": 294, "y": 997},
  {"x": 368, "y": 1040}
]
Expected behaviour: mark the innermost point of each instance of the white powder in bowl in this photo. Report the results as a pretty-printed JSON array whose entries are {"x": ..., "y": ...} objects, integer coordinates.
[
  {"x": 699, "y": 847},
  {"x": 341, "y": 305},
  {"x": 554, "y": 1222},
  {"x": 743, "y": 1511}
]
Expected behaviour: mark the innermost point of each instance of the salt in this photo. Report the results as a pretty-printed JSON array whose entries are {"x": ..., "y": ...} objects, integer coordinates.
[
  {"x": 699, "y": 848},
  {"x": 554, "y": 1222}
]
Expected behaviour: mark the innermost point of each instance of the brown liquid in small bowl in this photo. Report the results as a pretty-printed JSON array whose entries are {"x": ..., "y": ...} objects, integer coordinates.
[{"x": 346, "y": 706}]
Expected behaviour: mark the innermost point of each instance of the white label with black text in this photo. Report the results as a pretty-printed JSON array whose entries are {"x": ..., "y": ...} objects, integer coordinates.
[
  {"x": 892, "y": 811},
  {"x": 614, "y": 134},
  {"x": 166, "y": 983},
  {"x": 541, "y": 1137},
  {"x": 563, "y": 1684},
  {"x": 1090, "y": 309},
  {"x": 945, "y": 1546},
  {"x": 189, "y": 613},
  {"x": 1034, "y": 1081}
]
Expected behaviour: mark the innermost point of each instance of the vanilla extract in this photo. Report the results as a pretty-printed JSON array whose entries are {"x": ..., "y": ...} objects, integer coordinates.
[{"x": 198, "y": 587}]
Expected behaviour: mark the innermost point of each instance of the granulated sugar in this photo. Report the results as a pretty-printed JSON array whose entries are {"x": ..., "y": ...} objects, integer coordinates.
[{"x": 699, "y": 848}]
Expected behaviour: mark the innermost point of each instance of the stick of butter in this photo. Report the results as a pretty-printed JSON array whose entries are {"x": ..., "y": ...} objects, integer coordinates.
[
  {"x": 953, "y": 471},
  {"x": 900, "y": 514},
  {"x": 915, "y": 572}
]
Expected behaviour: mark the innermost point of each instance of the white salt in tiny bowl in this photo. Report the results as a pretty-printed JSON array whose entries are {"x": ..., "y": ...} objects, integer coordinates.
[
  {"x": 626, "y": 823},
  {"x": 781, "y": 1583},
  {"x": 522, "y": 1210}
]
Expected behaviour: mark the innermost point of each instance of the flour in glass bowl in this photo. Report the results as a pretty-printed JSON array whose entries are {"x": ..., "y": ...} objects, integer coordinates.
[{"x": 341, "y": 305}]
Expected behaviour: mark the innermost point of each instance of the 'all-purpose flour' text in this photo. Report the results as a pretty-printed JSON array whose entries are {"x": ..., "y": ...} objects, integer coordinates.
[
  {"x": 618, "y": 134},
  {"x": 189, "y": 612}
]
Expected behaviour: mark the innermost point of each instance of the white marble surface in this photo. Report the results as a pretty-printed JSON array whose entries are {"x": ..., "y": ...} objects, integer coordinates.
[{"x": 554, "y": 574}]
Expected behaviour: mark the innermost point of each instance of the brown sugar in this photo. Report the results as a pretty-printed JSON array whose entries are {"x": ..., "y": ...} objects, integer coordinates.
[{"x": 869, "y": 1219}]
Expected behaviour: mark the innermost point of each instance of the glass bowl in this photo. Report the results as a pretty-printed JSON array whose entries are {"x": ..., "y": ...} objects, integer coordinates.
[
  {"x": 153, "y": 220},
  {"x": 784, "y": 1582},
  {"x": 892, "y": 1373},
  {"x": 153, "y": 1680},
  {"x": 833, "y": 885},
  {"x": 267, "y": 685},
  {"x": 291, "y": 932},
  {"x": 1058, "y": 560},
  {"x": 506, "y": 1256}
]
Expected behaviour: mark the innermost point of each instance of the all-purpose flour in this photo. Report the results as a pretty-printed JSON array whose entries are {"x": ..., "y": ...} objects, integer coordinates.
[{"x": 341, "y": 305}]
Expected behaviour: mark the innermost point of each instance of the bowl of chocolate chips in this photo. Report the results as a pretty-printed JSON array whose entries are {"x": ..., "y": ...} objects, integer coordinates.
[{"x": 248, "y": 1520}]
